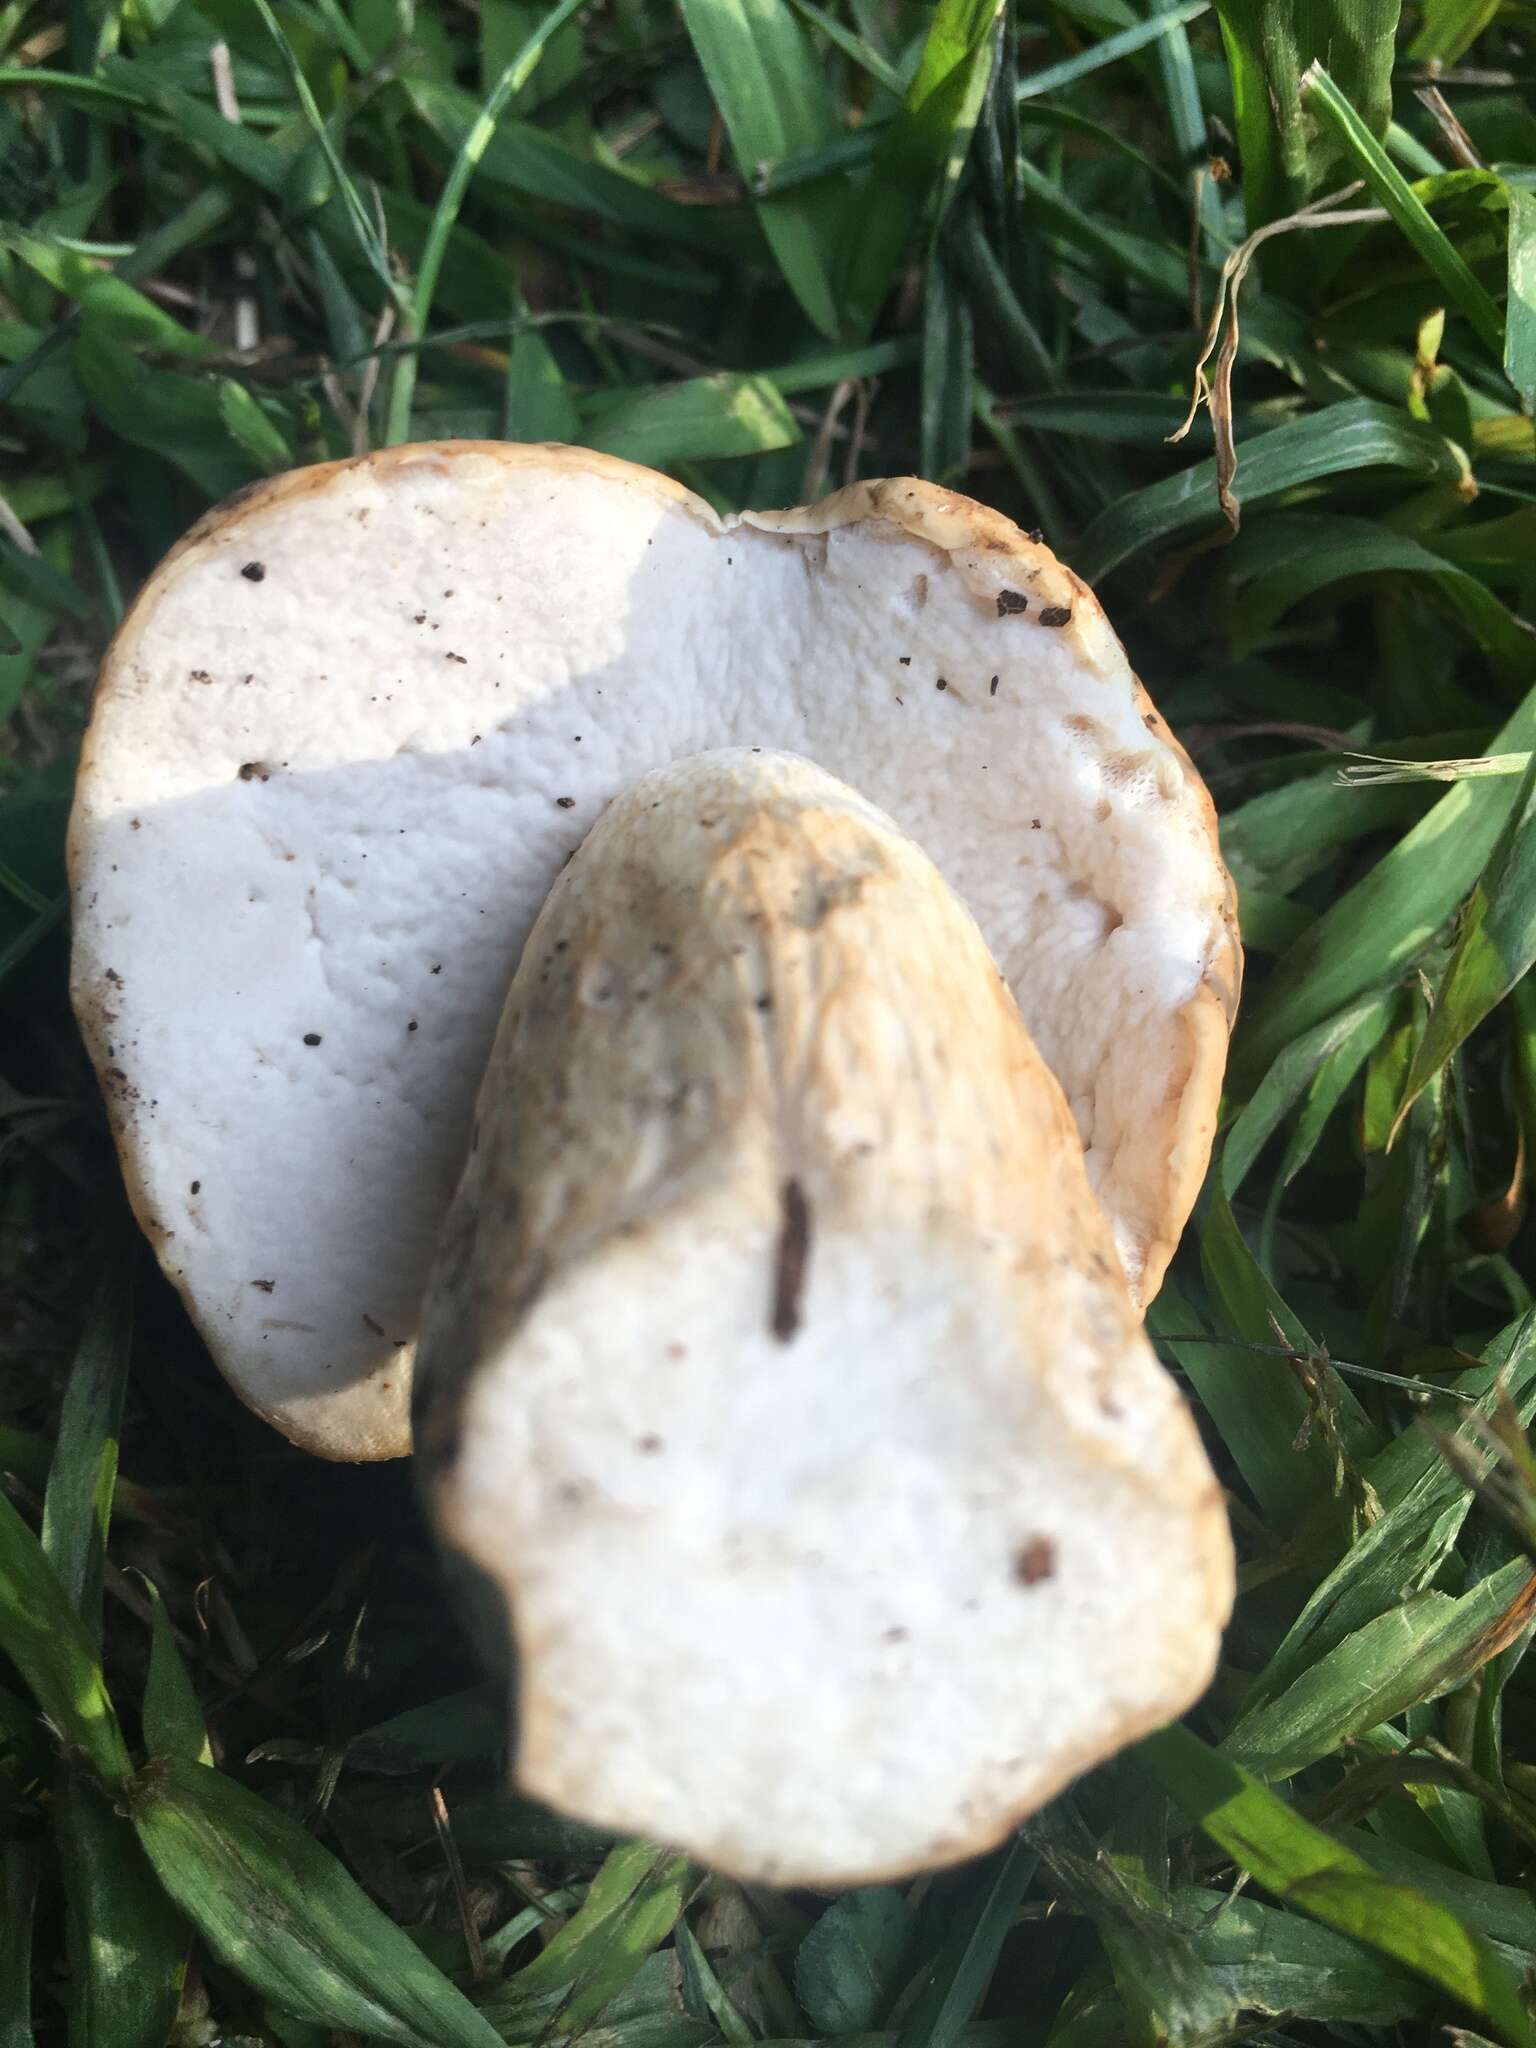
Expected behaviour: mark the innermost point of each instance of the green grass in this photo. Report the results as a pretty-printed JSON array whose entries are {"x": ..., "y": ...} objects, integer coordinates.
[{"x": 770, "y": 245}]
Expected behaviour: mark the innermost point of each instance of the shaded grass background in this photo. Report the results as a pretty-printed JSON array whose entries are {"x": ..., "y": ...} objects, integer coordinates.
[{"x": 249, "y": 1778}]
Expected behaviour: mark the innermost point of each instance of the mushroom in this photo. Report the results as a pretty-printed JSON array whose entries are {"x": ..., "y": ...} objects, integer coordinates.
[
  {"x": 777, "y": 1371},
  {"x": 359, "y": 719}
]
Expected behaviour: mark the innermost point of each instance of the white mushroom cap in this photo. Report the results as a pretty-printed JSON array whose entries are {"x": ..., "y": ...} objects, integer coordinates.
[
  {"x": 777, "y": 1368},
  {"x": 356, "y": 722}
]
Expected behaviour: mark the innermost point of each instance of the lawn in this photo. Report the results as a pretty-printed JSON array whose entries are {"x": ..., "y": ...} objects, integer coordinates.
[{"x": 251, "y": 1784}]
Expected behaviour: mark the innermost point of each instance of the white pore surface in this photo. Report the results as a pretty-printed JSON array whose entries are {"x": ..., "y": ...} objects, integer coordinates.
[
  {"x": 832, "y": 1610},
  {"x": 328, "y": 804}
]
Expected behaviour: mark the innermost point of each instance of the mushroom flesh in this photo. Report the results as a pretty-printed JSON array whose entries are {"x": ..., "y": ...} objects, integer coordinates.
[
  {"x": 356, "y": 723},
  {"x": 777, "y": 1371}
]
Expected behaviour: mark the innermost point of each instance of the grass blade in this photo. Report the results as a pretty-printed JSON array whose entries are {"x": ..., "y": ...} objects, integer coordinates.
[
  {"x": 1368, "y": 160},
  {"x": 772, "y": 92},
  {"x": 1269, "y": 45},
  {"x": 1520, "y": 307},
  {"x": 515, "y": 76},
  {"x": 77, "y": 1509},
  {"x": 172, "y": 1718},
  {"x": 282, "y": 1913},
  {"x": 695, "y": 421},
  {"x": 948, "y": 357},
  {"x": 963, "y": 1968},
  {"x": 848, "y": 1968},
  {"x": 18, "y": 1900},
  {"x": 45, "y": 1639},
  {"x": 1301, "y": 1865},
  {"x": 1415, "y": 1651},
  {"x": 632, "y": 1906},
  {"x": 1385, "y": 920},
  {"x": 1340, "y": 441},
  {"x": 922, "y": 151},
  {"x": 1496, "y": 947},
  {"x": 126, "y": 1943}
]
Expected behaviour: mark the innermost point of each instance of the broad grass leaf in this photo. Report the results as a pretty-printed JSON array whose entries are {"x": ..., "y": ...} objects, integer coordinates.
[
  {"x": 44, "y": 1637},
  {"x": 126, "y": 1943},
  {"x": 462, "y": 1725},
  {"x": 948, "y": 370},
  {"x": 1339, "y": 441},
  {"x": 702, "y": 1989},
  {"x": 171, "y": 1716},
  {"x": 1273, "y": 1962},
  {"x": 633, "y": 1904},
  {"x": 77, "y": 1507},
  {"x": 922, "y": 151},
  {"x": 1257, "y": 1406},
  {"x": 961, "y": 1971},
  {"x": 1415, "y": 1651},
  {"x": 1256, "y": 1309},
  {"x": 537, "y": 404},
  {"x": 1304, "y": 1867},
  {"x": 1365, "y": 158},
  {"x": 1269, "y": 45},
  {"x": 1171, "y": 1999},
  {"x": 848, "y": 1968},
  {"x": 176, "y": 417},
  {"x": 1338, "y": 1046},
  {"x": 1123, "y": 254},
  {"x": 694, "y": 421},
  {"x": 1495, "y": 947},
  {"x": 35, "y": 577},
  {"x": 279, "y": 1910},
  {"x": 132, "y": 320},
  {"x": 1503, "y": 1913},
  {"x": 19, "y": 1861},
  {"x": 1328, "y": 1087},
  {"x": 1287, "y": 558},
  {"x": 1424, "y": 1505},
  {"x": 1387, "y": 919},
  {"x": 772, "y": 91},
  {"x": 1287, "y": 834},
  {"x": 507, "y": 1829},
  {"x": 252, "y": 427},
  {"x": 1520, "y": 305},
  {"x": 523, "y": 159},
  {"x": 1448, "y": 28}
]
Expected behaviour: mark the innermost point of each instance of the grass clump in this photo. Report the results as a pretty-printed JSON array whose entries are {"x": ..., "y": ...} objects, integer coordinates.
[{"x": 249, "y": 1777}]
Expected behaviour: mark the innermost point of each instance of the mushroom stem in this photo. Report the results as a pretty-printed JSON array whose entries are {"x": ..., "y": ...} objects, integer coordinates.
[{"x": 777, "y": 1369}]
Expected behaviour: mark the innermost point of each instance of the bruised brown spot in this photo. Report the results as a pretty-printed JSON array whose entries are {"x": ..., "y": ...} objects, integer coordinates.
[
  {"x": 565, "y": 803},
  {"x": 265, "y": 1286},
  {"x": 1056, "y": 615},
  {"x": 789, "y": 1267},
  {"x": 255, "y": 572},
  {"x": 1010, "y": 603},
  {"x": 1035, "y": 1561}
]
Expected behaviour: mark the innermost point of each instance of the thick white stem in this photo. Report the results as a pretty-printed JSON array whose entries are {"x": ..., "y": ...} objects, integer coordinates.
[{"x": 777, "y": 1368}]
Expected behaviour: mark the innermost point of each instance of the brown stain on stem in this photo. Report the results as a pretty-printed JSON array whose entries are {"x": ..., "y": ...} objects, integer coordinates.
[{"x": 789, "y": 1268}]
